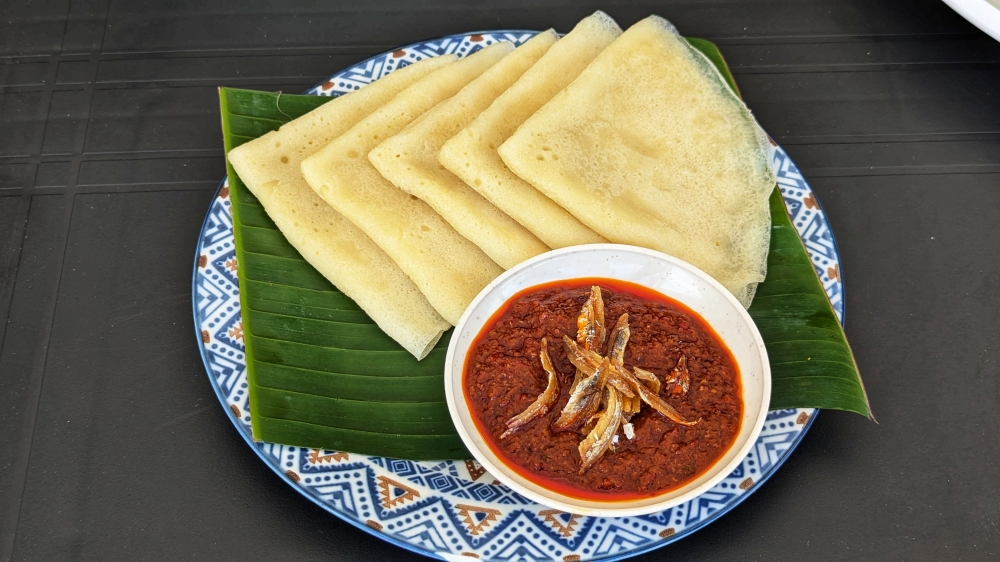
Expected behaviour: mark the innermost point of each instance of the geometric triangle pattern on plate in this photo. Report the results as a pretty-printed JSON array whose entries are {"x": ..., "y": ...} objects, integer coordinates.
[
  {"x": 476, "y": 518},
  {"x": 393, "y": 493},
  {"x": 560, "y": 521}
]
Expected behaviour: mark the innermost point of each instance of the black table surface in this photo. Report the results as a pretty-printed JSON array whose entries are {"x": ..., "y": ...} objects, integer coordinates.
[{"x": 113, "y": 445}]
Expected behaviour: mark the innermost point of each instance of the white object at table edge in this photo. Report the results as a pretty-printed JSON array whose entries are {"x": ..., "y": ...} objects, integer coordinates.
[{"x": 982, "y": 13}]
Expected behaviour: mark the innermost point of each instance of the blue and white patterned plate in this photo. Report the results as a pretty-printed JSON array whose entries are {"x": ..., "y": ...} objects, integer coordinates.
[{"x": 455, "y": 510}]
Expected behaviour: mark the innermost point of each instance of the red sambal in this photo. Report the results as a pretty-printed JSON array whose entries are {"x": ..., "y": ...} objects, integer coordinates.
[{"x": 504, "y": 375}]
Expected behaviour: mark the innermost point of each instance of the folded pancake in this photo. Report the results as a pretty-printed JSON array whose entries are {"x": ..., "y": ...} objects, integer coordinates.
[
  {"x": 650, "y": 147},
  {"x": 472, "y": 153},
  {"x": 269, "y": 166},
  {"x": 447, "y": 268},
  {"x": 410, "y": 161}
]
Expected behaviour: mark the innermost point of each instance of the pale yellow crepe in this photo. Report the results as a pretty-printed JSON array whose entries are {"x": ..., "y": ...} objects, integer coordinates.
[
  {"x": 472, "y": 153},
  {"x": 447, "y": 268},
  {"x": 269, "y": 166},
  {"x": 410, "y": 161},
  {"x": 650, "y": 147}
]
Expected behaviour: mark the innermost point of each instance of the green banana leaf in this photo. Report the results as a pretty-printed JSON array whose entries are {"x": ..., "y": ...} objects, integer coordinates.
[{"x": 322, "y": 374}]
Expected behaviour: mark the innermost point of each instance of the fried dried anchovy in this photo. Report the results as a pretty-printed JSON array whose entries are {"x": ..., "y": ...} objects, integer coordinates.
[
  {"x": 579, "y": 406},
  {"x": 589, "y": 412},
  {"x": 636, "y": 404},
  {"x": 603, "y": 380},
  {"x": 587, "y": 358},
  {"x": 590, "y": 328},
  {"x": 616, "y": 380},
  {"x": 618, "y": 340},
  {"x": 679, "y": 379},
  {"x": 656, "y": 402},
  {"x": 600, "y": 329},
  {"x": 648, "y": 379},
  {"x": 631, "y": 409},
  {"x": 587, "y": 362},
  {"x": 591, "y": 421},
  {"x": 584, "y": 360},
  {"x": 590, "y": 333},
  {"x": 599, "y": 439},
  {"x": 616, "y": 352},
  {"x": 545, "y": 400}
]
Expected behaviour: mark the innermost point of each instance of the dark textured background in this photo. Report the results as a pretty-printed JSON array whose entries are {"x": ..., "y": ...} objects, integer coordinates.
[{"x": 114, "y": 447}]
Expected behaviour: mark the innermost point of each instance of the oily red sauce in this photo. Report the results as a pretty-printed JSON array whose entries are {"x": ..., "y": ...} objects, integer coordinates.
[{"x": 503, "y": 375}]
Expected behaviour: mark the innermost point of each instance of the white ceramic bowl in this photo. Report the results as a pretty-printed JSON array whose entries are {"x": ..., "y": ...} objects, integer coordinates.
[{"x": 665, "y": 274}]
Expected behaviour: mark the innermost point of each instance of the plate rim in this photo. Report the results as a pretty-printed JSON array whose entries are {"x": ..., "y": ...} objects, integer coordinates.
[{"x": 266, "y": 458}]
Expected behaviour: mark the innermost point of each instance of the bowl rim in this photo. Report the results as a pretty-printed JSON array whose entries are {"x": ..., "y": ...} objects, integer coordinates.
[{"x": 566, "y": 503}]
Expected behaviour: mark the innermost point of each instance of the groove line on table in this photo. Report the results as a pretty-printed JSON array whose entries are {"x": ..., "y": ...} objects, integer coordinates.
[
  {"x": 870, "y": 171},
  {"x": 361, "y": 48},
  {"x": 212, "y": 184},
  {"x": 39, "y": 362},
  {"x": 19, "y": 469},
  {"x": 789, "y": 140},
  {"x": 299, "y": 83},
  {"x": 841, "y": 68}
]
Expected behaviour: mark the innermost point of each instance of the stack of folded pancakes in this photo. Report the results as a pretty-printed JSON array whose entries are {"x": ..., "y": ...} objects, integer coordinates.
[{"x": 414, "y": 192}]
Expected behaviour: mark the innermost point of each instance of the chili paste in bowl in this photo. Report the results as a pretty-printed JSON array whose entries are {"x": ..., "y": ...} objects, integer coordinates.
[
  {"x": 607, "y": 380},
  {"x": 503, "y": 376}
]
